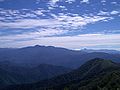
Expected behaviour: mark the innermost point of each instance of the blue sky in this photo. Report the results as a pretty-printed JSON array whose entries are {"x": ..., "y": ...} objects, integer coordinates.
[{"x": 72, "y": 24}]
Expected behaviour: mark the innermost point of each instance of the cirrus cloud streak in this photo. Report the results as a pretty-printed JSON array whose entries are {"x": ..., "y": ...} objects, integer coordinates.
[{"x": 71, "y": 42}]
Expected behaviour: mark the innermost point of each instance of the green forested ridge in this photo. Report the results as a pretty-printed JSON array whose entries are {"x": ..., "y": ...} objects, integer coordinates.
[
  {"x": 96, "y": 74},
  {"x": 11, "y": 74}
]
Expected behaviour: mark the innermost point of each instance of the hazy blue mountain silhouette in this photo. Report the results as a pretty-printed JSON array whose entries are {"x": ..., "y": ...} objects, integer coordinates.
[
  {"x": 101, "y": 50},
  {"x": 36, "y": 55}
]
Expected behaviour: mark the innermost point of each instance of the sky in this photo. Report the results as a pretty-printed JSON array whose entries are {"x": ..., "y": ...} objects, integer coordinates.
[{"x": 72, "y": 24}]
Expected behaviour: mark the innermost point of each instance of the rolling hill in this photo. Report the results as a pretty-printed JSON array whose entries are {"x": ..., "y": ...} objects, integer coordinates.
[
  {"x": 11, "y": 74},
  {"x": 95, "y": 74}
]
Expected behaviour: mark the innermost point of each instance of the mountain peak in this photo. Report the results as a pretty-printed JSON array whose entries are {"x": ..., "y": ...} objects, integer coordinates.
[
  {"x": 101, "y": 61},
  {"x": 98, "y": 64},
  {"x": 101, "y": 50},
  {"x": 37, "y": 46}
]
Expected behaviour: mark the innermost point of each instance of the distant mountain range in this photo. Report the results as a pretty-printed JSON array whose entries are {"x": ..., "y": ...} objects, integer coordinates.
[
  {"x": 96, "y": 74},
  {"x": 35, "y": 55},
  {"x": 101, "y": 50}
]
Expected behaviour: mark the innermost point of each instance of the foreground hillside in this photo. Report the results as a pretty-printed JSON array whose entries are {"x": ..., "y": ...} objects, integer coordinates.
[
  {"x": 11, "y": 74},
  {"x": 95, "y": 74}
]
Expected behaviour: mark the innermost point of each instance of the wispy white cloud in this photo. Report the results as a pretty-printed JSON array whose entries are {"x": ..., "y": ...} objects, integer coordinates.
[
  {"x": 114, "y": 12},
  {"x": 70, "y": 1},
  {"x": 112, "y": 31},
  {"x": 103, "y": 1},
  {"x": 103, "y": 13},
  {"x": 30, "y": 35},
  {"x": 65, "y": 21},
  {"x": 58, "y": 25},
  {"x": 50, "y": 32},
  {"x": 71, "y": 42},
  {"x": 114, "y": 3},
  {"x": 22, "y": 13},
  {"x": 85, "y": 1},
  {"x": 52, "y": 3}
]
